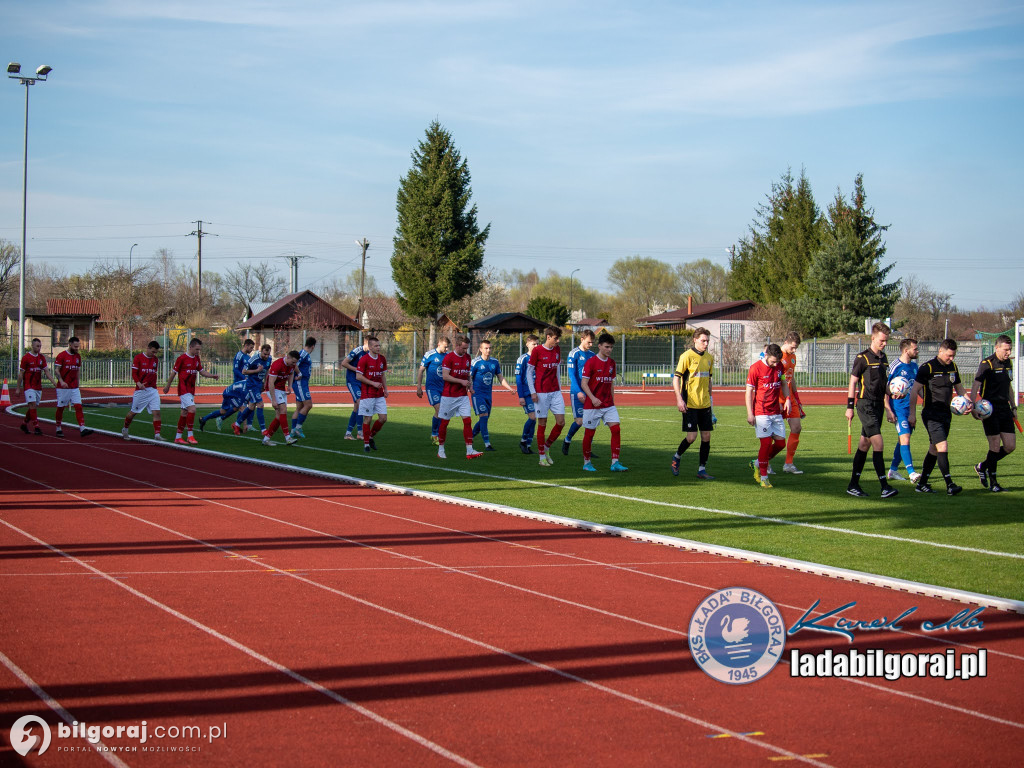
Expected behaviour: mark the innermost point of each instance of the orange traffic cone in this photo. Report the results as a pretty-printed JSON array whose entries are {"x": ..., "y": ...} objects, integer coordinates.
[{"x": 5, "y": 396}]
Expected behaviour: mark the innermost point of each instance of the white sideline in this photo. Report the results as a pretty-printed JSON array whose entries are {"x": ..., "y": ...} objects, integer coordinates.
[{"x": 804, "y": 566}]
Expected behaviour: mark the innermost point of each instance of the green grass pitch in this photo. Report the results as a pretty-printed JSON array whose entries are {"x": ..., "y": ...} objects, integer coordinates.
[{"x": 974, "y": 541}]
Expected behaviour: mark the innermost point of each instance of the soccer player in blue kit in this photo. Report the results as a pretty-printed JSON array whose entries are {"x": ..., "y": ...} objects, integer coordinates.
[
  {"x": 351, "y": 363},
  {"x": 241, "y": 361},
  {"x": 255, "y": 376},
  {"x": 232, "y": 399},
  {"x": 431, "y": 366},
  {"x": 523, "y": 392},
  {"x": 577, "y": 359},
  {"x": 483, "y": 371},
  {"x": 300, "y": 387},
  {"x": 906, "y": 366}
]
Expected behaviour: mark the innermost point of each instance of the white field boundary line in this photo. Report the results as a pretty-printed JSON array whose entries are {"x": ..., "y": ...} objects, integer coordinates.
[
  {"x": 591, "y": 491},
  {"x": 55, "y": 705},
  {"x": 265, "y": 566},
  {"x": 862, "y": 577},
  {"x": 419, "y": 622}
]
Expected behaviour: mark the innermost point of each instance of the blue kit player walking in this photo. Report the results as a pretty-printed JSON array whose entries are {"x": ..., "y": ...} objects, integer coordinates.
[
  {"x": 255, "y": 377},
  {"x": 241, "y": 361},
  {"x": 577, "y": 359},
  {"x": 351, "y": 363},
  {"x": 300, "y": 387},
  {"x": 431, "y": 366},
  {"x": 232, "y": 399},
  {"x": 483, "y": 371},
  {"x": 904, "y": 366},
  {"x": 524, "y": 395}
]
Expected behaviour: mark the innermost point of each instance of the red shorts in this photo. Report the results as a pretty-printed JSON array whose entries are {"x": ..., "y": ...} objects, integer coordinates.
[{"x": 793, "y": 412}]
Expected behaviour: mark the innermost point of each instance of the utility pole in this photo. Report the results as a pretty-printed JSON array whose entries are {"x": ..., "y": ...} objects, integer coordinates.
[
  {"x": 293, "y": 269},
  {"x": 198, "y": 232},
  {"x": 364, "y": 244}
]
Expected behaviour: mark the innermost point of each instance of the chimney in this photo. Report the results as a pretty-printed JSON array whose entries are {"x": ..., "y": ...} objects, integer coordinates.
[{"x": 689, "y": 305}]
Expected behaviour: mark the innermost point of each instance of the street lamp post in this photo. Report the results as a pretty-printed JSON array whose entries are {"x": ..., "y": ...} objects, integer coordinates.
[
  {"x": 131, "y": 300},
  {"x": 14, "y": 72}
]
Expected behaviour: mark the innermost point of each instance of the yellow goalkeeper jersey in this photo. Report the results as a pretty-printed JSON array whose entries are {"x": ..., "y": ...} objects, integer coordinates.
[{"x": 695, "y": 370}]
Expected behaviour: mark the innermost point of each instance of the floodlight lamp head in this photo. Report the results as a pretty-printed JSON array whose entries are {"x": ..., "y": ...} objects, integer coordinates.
[
  {"x": 13, "y": 68},
  {"x": 44, "y": 70}
]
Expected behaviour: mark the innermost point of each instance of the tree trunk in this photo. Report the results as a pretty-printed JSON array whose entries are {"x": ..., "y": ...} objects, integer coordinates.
[{"x": 432, "y": 340}]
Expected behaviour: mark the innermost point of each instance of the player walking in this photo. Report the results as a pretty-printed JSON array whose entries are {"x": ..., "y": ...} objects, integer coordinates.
[
  {"x": 525, "y": 398},
  {"x": 765, "y": 381},
  {"x": 30, "y": 378},
  {"x": 598, "y": 384},
  {"x": 300, "y": 387},
  {"x": 868, "y": 380},
  {"x": 67, "y": 365},
  {"x": 241, "y": 361},
  {"x": 906, "y": 367},
  {"x": 578, "y": 358},
  {"x": 145, "y": 397},
  {"x": 279, "y": 381},
  {"x": 546, "y": 390},
  {"x": 373, "y": 397},
  {"x": 458, "y": 386},
  {"x": 993, "y": 383},
  {"x": 188, "y": 367},
  {"x": 431, "y": 366},
  {"x": 692, "y": 384},
  {"x": 795, "y": 412},
  {"x": 256, "y": 379},
  {"x": 351, "y": 363},
  {"x": 484, "y": 370},
  {"x": 936, "y": 381}
]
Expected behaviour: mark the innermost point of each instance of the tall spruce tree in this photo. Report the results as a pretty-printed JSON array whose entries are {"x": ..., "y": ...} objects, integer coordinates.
[
  {"x": 846, "y": 281},
  {"x": 438, "y": 245}
]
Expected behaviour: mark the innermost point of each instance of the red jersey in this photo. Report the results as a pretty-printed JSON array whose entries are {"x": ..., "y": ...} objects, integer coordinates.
[
  {"x": 600, "y": 376},
  {"x": 33, "y": 366},
  {"x": 68, "y": 366},
  {"x": 788, "y": 373},
  {"x": 187, "y": 368},
  {"x": 458, "y": 366},
  {"x": 766, "y": 383},
  {"x": 144, "y": 370},
  {"x": 373, "y": 369},
  {"x": 546, "y": 361},
  {"x": 282, "y": 371}
]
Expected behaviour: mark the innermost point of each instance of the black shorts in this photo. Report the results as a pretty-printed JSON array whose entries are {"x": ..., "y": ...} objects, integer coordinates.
[
  {"x": 1000, "y": 421},
  {"x": 871, "y": 414},
  {"x": 937, "y": 426},
  {"x": 697, "y": 420}
]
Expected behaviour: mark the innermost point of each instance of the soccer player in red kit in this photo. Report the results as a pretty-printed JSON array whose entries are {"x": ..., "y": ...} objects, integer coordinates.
[
  {"x": 187, "y": 368},
  {"x": 546, "y": 390},
  {"x": 279, "y": 381},
  {"x": 67, "y": 364},
  {"x": 145, "y": 397},
  {"x": 30, "y": 377},
  {"x": 458, "y": 386},
  {"x": 765, "y": 379},
  {"x": 598, "y": 384},
  {"x": 370, "y": 372}
]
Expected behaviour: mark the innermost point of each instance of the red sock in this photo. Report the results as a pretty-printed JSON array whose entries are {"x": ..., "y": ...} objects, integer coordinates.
[
  {"x": 616, "y": 441},
  {"x": 376, "y": 427},
  {"x": 554, "y": 434},
  {"x": 778, "y": 446},
  {"x": 588, "y": 442},
  {"x": 271, "y": 427},
  {"x": 79, "y": 415},
  {"x": 283, "y": 419},
  {"x": 190, "y": 420},
  {"x": 181, "y": 424},
  {"x": 127, "y": 421},
  {"x": 791, "y": 444},
  {"x": 156, "y": 425},
  {"x": 540, "y": 437},
  {"x": 442, "y": 431},
  {"x": 367, "y": 433},
  {"x": 32, "y": 417},
  {"x": 763, "y": 455},
  {"x": 59, "y": 417},
  {"x": 467, "y": 431}
]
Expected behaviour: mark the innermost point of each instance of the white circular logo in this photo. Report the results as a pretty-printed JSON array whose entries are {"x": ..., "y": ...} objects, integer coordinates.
[
  {"x": 737, "y": 635},
  {"x": 24, "y": 740}
]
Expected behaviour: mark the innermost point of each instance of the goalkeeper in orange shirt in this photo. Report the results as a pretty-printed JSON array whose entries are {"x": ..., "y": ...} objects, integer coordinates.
[{"x": 796, "y": 411}]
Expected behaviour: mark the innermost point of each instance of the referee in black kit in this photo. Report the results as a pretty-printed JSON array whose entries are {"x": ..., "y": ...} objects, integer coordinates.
[
  {"x": 992, "y": 382},
  {"x": 869, "y": 394},
  {"x": 937, "y": 380}
]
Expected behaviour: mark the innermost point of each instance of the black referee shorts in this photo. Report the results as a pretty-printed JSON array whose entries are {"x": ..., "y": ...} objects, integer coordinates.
[
  {"x": 1000, "y": 421},
  {"x": 871, "y": 414},
  {"x": 937, "y": 424},
  {"x": 697, "y": 420}
]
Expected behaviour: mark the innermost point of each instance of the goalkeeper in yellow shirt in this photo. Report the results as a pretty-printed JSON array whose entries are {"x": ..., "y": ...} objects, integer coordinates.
[{"x": 692, "y": 385}]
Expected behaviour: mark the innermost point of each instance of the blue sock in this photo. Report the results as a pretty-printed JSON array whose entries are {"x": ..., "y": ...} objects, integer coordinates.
[
  {"x": 476, "y": 427},
  {"x": 897, "y": 455},
  {"x": 252, "y": 413},
  {"x": 295, "y": 421},
  {"x": 353, "y": 419},
  {"x": 259, "y": 415},
  {"x": 481, "y": 428},
  {"x": 908, "y": 462},
  {"x": 528, "y": 429},
  {"x": 435, "y": 425},
  {"x": 573, "y": 429},
  {"x": 242, "y": 415},
  {"x": 301, "y": 419}
]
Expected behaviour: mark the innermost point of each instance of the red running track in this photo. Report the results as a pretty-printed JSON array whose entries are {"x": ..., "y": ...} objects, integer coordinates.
[{"x": 321, "y": 624}]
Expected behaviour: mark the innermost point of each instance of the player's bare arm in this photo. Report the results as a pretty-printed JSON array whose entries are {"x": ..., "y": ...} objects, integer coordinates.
[
  {"x": 206, "y": 375},
  {"x": 748, "y": 397},
  {"x": 916, "y": 392},
  {"x": 850, "y": 394},
  {"x": 677, "y": 387},
  {"x": 585, "y": 385},
  {"x": 170, "y": 380},
  {"x": 363, "y": 380}
]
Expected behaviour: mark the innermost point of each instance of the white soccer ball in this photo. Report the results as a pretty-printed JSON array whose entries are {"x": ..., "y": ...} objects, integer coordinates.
[
  {"x": 960, "y": 405},
  {"x": 982, "y": 410},
  {"x": 899, "y": 386}
]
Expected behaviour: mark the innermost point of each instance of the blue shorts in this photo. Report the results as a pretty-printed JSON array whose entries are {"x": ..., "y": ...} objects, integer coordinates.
[
  {"x": 254, "y": 396},
  {"x": 903, "y": 424},
  {"x": 577, "y": 406},
  {"x": 434, "y": 396},
  {"x": 229, "y": 404},
  {"x": 355, "y": 389},
  {"x": 529, "y": 406},
  {"x": 481, "y": 405},
  {"x": 301, "y": 390}
]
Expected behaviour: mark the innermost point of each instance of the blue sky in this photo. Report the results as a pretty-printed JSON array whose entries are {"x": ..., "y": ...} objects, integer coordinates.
[{"x": 593, "y": 130}]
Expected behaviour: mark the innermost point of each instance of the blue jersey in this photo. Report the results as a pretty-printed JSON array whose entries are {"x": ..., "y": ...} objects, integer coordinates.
[
  {"x": 304, "y": 365},
  {"x": 432, "y": 362},
  {"x": 240, "y": 364},
  {"x": 255, "y": 380},
  {"x": 908, "y": 371},
  {"x": 235, "y": 393},
  {"x": 483, "y": 373},
  {"x": 577, "y": 359},
  {"x": 522, "y": 387},
  {"x": 353, "y": 359}
]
